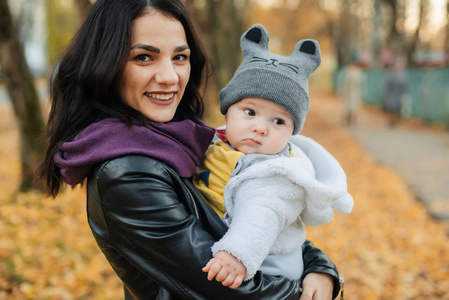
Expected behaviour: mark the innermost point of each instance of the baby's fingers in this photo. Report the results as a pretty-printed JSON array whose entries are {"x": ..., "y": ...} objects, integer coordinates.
[
  {"x": 207, "y": 267},
  {"x": 234, "y": 284},
  {"x": 214, "y": 269}
]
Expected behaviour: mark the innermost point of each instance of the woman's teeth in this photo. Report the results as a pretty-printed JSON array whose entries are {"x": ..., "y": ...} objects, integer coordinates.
[{"x": 160, "y": 96}]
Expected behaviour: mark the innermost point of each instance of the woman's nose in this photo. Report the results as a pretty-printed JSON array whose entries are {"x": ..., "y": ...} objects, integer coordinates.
[{"x": 166, "y": 74}]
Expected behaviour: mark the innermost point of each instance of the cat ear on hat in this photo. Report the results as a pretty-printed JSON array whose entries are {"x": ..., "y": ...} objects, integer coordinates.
[
  {"x": 254, "y": 39},
  {"x": 310, "y": 54}
]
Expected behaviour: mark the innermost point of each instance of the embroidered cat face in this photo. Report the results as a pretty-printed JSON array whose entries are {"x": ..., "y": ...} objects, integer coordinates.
[
  {"x": 275, "y": 63},
  {"x": 280, "y": 79},
  {"x": 300, "y": 65}
]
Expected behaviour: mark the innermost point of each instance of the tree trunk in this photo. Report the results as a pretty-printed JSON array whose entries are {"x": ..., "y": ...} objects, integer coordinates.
[
  {"x": 83, "y": 7},
  {"x": 446, "y": 44},
  {"x": 222, "y": 22},
  {"x": 376, "y": 36},
  {"x": 344, "y": 34},
  {"x": 25, "y": 100},
  {"x": 423, "y": 8},
  {"x": 393, "y": 30}
]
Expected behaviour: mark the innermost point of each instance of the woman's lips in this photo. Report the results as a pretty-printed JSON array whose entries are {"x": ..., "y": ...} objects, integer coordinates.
[{"x": 161, "y": 98}]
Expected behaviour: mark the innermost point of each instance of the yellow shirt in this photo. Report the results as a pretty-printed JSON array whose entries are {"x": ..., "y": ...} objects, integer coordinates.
[{"x": 214, "y": 173}]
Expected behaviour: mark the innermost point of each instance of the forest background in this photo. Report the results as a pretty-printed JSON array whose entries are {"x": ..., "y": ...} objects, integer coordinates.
[{"x": 46, "y": 249}]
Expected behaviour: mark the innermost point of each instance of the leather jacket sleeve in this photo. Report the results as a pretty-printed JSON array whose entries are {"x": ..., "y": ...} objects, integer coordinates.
[
  {"x": 316, "y": 261},
  {"x": 157, "y": 237}
]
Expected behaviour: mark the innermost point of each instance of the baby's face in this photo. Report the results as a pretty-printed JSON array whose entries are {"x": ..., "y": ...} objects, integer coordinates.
[{"x": 255, "y": 125}]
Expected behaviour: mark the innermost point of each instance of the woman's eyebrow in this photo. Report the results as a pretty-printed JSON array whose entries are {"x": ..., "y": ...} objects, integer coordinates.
[
  {"x": 146, "y": 47},
  {"x": 182, "y": 48},
  {"x": 157, "y": 50}
]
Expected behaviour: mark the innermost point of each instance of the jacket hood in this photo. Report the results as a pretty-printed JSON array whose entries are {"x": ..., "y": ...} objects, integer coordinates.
[{"x": 315, "y": 170}]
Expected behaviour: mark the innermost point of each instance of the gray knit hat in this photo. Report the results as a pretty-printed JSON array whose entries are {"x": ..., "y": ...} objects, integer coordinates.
[{"x": 280, "y": 79}]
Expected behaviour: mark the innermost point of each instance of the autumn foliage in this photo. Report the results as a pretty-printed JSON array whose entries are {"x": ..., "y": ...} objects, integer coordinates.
[
  {"x": 387, "y": 248},
  {"x": 46, "y": 248}
]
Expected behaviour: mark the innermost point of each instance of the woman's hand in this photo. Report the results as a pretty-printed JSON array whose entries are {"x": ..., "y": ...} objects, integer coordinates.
[{"x": 317, "y": 286}]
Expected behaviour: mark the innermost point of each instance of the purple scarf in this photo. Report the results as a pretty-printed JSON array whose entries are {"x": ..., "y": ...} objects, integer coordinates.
[{"x": 180, "y": 144}]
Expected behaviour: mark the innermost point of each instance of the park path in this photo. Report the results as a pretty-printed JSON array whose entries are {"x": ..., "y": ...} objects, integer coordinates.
[
  {"x": 418, "y": 153},
  {"x": 391, "y": 246}
]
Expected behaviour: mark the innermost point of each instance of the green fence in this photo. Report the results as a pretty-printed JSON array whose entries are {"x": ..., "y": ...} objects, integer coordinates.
[{"x": 428, "y": 91}]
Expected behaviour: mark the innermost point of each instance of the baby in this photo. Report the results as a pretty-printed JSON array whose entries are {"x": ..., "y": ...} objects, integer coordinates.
[{"x": 266, "y": 178}]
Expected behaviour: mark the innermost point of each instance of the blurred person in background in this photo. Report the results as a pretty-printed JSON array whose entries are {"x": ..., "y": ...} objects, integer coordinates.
[
  {"x": 395, "y": 90},
  {"x": 352, "y": 81},
  {"x": 125, "y": 120}
]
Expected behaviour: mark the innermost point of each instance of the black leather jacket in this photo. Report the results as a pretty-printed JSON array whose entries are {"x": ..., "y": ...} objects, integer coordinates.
[{"x": 156, "y": 232}]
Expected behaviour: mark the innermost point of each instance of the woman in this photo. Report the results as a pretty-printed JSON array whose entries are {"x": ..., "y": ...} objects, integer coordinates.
[{"x": 126, "y": 115}]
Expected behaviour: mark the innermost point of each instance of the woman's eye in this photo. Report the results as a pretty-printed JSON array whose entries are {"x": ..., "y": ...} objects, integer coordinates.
[
  {"x": 279, "y": 122},
  {"x": 250, "y": 112},
  {"x": 181, "y": 57},
  {"x": 143, "y": 58}
]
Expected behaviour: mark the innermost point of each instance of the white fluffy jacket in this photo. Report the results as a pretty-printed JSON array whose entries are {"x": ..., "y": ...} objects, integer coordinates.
[{"x": 268, "y": 202}]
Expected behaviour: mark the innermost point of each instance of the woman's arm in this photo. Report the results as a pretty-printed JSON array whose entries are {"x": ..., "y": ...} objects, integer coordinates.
[
  {"x": 317, "y": 262},
  {"x": 148, "y": 236},
  {"x": 317, "y": 286}
]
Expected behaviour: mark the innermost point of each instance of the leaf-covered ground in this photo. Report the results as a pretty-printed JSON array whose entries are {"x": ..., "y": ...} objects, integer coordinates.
[
  {"x": 46, "y": 248},
  {"x": 387, "y": 248}
]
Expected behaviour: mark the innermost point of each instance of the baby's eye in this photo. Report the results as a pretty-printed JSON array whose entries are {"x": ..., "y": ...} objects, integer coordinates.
[
  {"x": 250, "y": 112},
  {"x": 279, "y": 122}
]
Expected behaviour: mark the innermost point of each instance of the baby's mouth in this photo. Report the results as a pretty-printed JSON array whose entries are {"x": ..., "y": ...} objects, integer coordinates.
[{"x": 252, "y": 142}]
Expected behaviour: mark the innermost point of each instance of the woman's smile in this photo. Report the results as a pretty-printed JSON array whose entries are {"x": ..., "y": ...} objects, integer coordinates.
[{"x": 161, "y": 98}]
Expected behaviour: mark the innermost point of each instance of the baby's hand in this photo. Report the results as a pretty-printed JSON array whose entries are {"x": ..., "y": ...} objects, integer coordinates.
[{"x": 226, "y": 269}]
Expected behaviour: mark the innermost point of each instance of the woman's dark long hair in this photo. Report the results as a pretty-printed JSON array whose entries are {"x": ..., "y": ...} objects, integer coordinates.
[{"x": 84, "y": 86}]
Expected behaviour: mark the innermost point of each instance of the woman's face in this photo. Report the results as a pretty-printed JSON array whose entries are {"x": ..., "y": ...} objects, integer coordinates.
[{"x": 158, "y": 67}]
